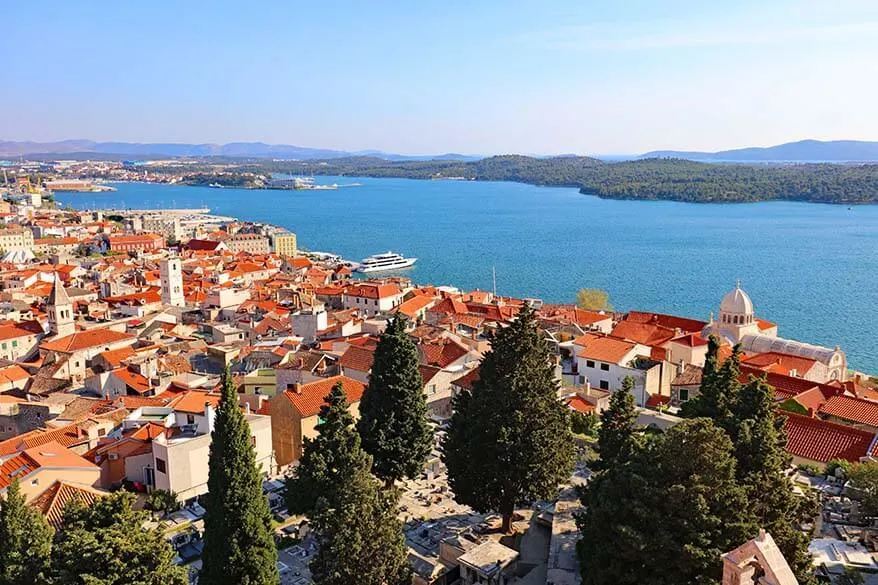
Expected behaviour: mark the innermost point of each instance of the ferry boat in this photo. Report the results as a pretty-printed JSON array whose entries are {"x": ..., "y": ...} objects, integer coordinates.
[{"x": 388, "y": 261}]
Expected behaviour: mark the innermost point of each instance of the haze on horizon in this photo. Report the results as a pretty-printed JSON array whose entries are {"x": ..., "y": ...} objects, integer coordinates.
[{"x": 582, "y": 76}]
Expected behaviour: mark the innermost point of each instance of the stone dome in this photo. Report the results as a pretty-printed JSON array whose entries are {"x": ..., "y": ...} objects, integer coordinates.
[{"x": 736, "y": 302}]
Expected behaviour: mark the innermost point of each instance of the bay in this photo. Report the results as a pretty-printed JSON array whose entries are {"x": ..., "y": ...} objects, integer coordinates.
[{"x": 811, "y": 268}]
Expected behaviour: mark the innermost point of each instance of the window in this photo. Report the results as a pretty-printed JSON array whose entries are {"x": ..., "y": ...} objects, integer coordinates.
[
  {"x": 604, "y": 385},
  {"x": 253, "y": 441},
  {"x": 3, "y": 346},
  {"x": 432, "y": 389},
  {"x": 102, "y": 432},
  {"x": 35, "y": 481},
  {"x": 14, "y": 343},
  {"x": 160, "y": 465},
  {"x": 684, "y": 394},
  {"x": 190, "y": 419},
  {"x": 605, "y": 367},
  {"x": 589, "y": 363}
]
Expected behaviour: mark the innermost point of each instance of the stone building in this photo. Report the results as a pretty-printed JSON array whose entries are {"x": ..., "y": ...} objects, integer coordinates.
[{"x": 737, "y": 323}]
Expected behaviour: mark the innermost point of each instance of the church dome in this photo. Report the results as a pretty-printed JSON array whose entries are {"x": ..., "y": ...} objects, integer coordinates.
[{"x": 736, "y": 302}]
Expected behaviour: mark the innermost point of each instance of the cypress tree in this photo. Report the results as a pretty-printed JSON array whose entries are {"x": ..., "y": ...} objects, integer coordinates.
[
  {"x": 328, "y": 459},
  {"x": 617, "y": 441},
  {"x": 358, "y": 531},
  {"x": 238, "y": 544},
  {"x": 107, "y": 544},
  {"x": 25, "y": 540},
  {"x": 719, "y": 387},
  {"x": 509, "y": 440},
  {"x": 359, "y": 535},
  {"x": 393, "y": 411},
  {"x": 760, "y": 441}
]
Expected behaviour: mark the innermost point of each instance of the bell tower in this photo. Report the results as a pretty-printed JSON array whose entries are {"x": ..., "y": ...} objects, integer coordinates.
[{"x": 60, "y": 311}]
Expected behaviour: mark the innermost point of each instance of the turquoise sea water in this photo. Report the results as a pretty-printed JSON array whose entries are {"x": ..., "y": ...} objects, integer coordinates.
[{"x": 813, "y": 269}]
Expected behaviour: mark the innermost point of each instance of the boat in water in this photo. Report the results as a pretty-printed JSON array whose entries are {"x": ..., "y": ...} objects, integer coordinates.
[
  {"x": 215, "y": 186},
  {"x": 384, "y": 262}
]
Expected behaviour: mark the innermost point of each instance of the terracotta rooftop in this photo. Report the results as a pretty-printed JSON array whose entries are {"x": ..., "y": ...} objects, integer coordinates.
[
  {"x": 822, "y": 441},
  {"x": 86, "y": 339},
  {"x": 603, "y": 348},
  {"x": 646, "y": 333},
  {"x": 52, "y": 501},
  {"x": 358, "y": 358},
  {"x": 310, "y": 397},
  {"x": 852, "y": 409}
]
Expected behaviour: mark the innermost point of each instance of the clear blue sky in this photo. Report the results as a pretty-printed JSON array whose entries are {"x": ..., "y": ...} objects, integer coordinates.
[{"x": 474, "y": 76}]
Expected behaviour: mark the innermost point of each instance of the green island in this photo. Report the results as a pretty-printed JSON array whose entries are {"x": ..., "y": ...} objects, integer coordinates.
[{"x": 645, "y": 179}]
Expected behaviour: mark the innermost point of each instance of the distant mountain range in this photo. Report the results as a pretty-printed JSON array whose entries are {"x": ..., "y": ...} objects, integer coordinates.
[
  {"x": 802, "y": 151},
  {"x": 169, "y": 149}
]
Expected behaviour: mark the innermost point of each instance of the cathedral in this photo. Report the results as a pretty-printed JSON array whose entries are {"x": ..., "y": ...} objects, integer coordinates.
[{"x": 737, "y": 323}]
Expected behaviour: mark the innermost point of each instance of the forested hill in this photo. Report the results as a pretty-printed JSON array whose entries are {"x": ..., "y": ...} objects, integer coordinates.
[{"x": 655, "y": 178}]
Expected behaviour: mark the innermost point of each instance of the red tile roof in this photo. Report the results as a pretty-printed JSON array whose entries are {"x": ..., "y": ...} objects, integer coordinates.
[
  {"x": 467, "y": 380},
  {"x": 358, "y": 358},
  {"x": 193, "y": 401},
  {"x": 66, "y": 436},
  {"x": 819, "y": 440},
  {"x": 370, "y": 290},
  {"x": 442, "y": 352},
  {"x": 690, "y": 340},
  {"x": 134, "y": 380},
  {"x": 310, "y": 397},
  {"x": 23, "y": 329},
  {"x": 580, "y": 404},
  {"x": 86, "y": 339},
  {"x": 414, "y": 305},
  {"x": 780, "y": 363},
  {"x": 603, "y": 348},
  {"x": 645, "y": 333},
  {"x": 855, "y": 410},
  {"x": 671, "y": 321},
  {"x": 52, "y": 501}
]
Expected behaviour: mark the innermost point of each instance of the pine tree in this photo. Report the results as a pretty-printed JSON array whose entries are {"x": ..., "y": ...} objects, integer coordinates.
[
  {"x": 25, "y": 540},
  {"x": 760, "y": 442},
  {"x": 106, "y": 544},
  {"x": 238, "y": 545},
  {"x": 359, "y": 535},
  {"x": 509, "y": 440},
  {"x": 393, "y": 411},
  {"x": 676, "y": 499},
  {"x": 329, "y": 459},
  {"x": 616, "y": 438}
]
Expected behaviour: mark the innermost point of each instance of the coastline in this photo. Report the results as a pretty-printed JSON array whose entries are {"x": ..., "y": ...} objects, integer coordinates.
[{"x": 582, "y": 191}]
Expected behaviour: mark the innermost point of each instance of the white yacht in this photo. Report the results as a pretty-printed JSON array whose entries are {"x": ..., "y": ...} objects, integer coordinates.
[{"x": 388, "y": 261}]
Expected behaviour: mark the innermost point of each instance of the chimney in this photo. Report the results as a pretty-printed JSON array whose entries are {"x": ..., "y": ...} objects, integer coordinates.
[{"x": 296, "y": 388}]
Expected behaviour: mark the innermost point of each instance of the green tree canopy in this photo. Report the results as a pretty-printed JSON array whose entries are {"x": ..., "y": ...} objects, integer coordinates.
[
  {"x": 760, "y": 449},
  {"x": 593, "y": 299},
  {"x": 617, "y": 440},
  {"x": 106, "y": 544},
  {"x": 25, "y": 540},
  {"x": 393, "y": 411},
  {"x": 238, "y": 545},
  {"x": 509, "y": 440},
  {"x": 864, "y": 480},
  {"x": 676, "y": 499},
  {"x": 328, "y": 459},
  {"x": 359, "y": 534},
  {"x": 719, "y": 386}
]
